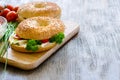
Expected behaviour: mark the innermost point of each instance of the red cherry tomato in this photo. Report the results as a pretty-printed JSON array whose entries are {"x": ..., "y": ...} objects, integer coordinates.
[
  {"x": 45, "y": 40},
  {"x": 1, "y": 12},
  {"x": 1, "y": 7},
  {"x": 15, "y": 9},
  {"x": 11, "y": 16},
  {"x": 5, "y": 11},
  {"x": 9, "y": 7}
]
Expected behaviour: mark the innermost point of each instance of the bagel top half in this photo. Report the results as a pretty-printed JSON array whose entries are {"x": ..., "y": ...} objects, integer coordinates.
[
  {"x": 36, "y": 28},
  {"x": 33, "y": 9},
  {"x": 39, "y": 28}
]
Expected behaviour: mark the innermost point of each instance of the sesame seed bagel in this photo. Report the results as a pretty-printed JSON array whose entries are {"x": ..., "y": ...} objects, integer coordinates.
[
  {"x": 39, "y": 28},
  {"x": 34, "y": 9}
]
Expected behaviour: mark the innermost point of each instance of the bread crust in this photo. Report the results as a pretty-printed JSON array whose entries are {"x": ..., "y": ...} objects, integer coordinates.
[
  {"x": 39, "y": 28},
  {"x": 34, "y": 9}
]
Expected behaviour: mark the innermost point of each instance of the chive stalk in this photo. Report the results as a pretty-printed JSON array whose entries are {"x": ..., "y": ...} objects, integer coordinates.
[{"x": 5, "y": 44}]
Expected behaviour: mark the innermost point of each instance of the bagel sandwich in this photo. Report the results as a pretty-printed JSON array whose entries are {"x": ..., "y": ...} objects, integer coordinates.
[{"x": 37, "y": 34}]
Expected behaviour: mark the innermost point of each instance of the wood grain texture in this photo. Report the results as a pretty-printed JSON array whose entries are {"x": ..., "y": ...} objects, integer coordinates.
[{"x": 94, "y": 54}]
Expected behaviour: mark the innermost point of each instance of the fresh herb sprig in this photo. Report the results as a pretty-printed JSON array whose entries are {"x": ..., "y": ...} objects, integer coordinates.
[
  {"x": 58, "y": 38},
  {"x": 4, "y": 41},
  {"x": 33, "y": 44}
]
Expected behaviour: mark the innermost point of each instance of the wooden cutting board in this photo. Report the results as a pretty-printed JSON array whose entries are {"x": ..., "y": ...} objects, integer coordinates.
[{"x": 27, "y": 61}]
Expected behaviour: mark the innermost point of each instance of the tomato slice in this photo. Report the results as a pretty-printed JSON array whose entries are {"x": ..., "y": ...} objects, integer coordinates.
[
  {"x": 45, "y": 40},
  {"x": 16, "y": 37}
]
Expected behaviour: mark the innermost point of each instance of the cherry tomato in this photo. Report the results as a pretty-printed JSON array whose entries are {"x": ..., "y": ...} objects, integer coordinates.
[
  {"x": 5, "y": 11},
  {"x": 1, "y": 12},
  {"x": 15, "y": 9},
  {"x": 11, "y": 16},
  {"x": 9, "y": 7},
  {"x": 45, "y": 40},
  {"x": 1, "y": 7}
]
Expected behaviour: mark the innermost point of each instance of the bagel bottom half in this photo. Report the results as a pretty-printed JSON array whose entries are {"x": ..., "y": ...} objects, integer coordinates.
[{"x": 22, "y": 45}]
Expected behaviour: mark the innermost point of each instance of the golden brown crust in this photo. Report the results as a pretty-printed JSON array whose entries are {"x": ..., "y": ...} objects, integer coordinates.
[
  {"x": 39, "y": 28},
  {"x": 34, "y": 9},
  {"x": 20, "y": 45}
]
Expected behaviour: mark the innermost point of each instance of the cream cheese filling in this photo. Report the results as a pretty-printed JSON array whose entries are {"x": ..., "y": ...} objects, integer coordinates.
[{"x": 23, "y": 42}]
